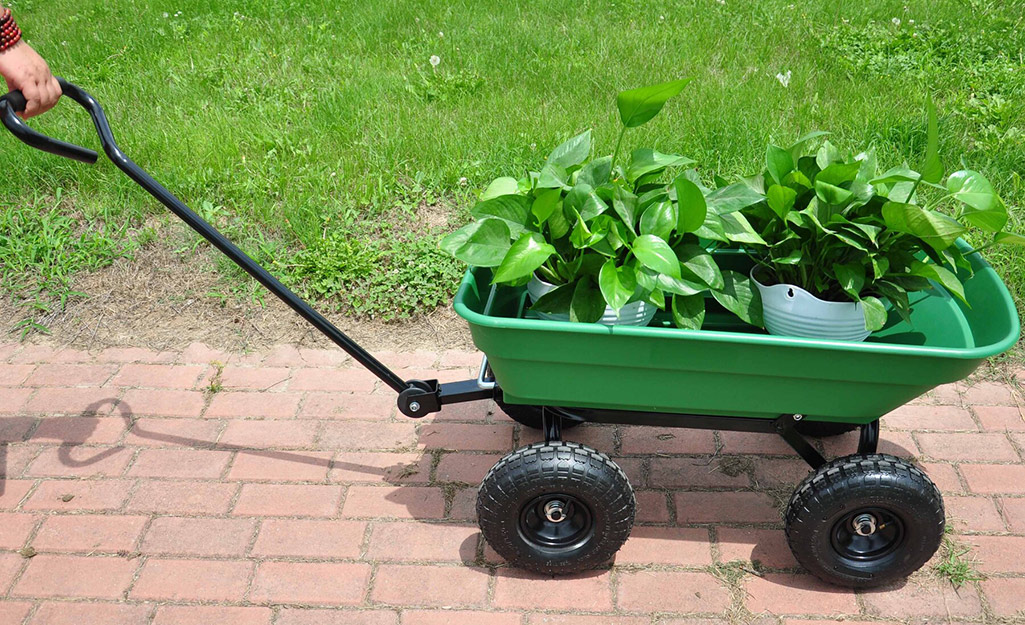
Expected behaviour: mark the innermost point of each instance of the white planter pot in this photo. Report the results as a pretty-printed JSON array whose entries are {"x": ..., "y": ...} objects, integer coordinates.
[
  {"x": 789, "y": 310},
  {"x": 633, "y": 314}
]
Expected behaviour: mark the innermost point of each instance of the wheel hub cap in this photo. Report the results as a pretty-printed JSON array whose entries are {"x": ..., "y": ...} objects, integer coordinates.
[
  {"x": 868, "y": 535},
  {"x": 555, "y": 511},
  {"x": 865, "y": 525},
  {"x": 556, "y": 521}
]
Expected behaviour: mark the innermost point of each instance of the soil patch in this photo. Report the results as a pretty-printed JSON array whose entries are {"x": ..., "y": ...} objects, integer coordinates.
[{"x": 157, "y": 301}]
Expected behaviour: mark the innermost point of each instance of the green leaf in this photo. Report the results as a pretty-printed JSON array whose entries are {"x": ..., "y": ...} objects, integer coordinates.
[
  {"x": 697, "y": 264},
  {"x": 897, "y": 174},
  {"x": 932, "y": 169},
  {"x": 880, "y": 265},
  {"x": 851, "y": 277},
  {"x": 827, "y": 155},
  {"x": 1009, "y": 237},
  {"x": 625, "y": 205},
  {"x": 740, "y": 297},
  {"x": 972, "y": 188},
  {"x": 935, "y": 229},
  {"x": 584, "y": 236},
  {"x": 617, "y": 284},
  {"x": 514, "y": 210},
  {"x": 482, "y": 243},
  {"x": 573, "y": 152},
  {"x": 544, "y": 205},
  {"x": 838, "y": 173},
  {"x": 679, "y": 286},
  {"x": 637, "y": 106},
  {"x": 500, "y": 186},
  {"x": 553, "y": 176},
  {"x": 872, "y": 232},
  {"x": 646, "y": 160},
  {"x": 990, "y": 221},
  {"x": 688, "y": 311},
  {"x": 588, "y": 305},
  {"x": 897, "y": 296},
  {"x": 982, "y": 205},
  {"x": 582, "y": 199},
  {"x": 713, "y": 229},
  {"x": 690, "y": 203},
  {"x": 555, "y": 302},
  {"x": 527, "y": 254},
  {"x": 596, "y": 173},
  {"x": 647, "y": 279},
  {"x": 867, "y": 171},
  {"x": 781, "y": 199},
  {"x": 797, "y": 180},
  {"x": 732, "y": 198},
  {"x": 778, "y": 162},
  {"x": 558, "y": 225},
  {"x": 739, "y": 230},
  {"x": 875, "y": 314},
  {"x": 792, "y": 258},
  {"x": 798, "y": 146},
  {"x": 659, "y": 219},
  {"x": 657, "y": 299},
  {"x": 940, "y": 274},
  {"x": 656, "y": 254},
  {"x": 831, "y": 194}
]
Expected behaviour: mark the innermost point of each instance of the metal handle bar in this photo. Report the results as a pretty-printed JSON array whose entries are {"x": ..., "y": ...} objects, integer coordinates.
[
  {"x": 9, "y": 105},
  {"x": 14, "y": 103}
]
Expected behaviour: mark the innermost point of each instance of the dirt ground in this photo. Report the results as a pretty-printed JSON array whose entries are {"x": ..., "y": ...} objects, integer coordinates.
[{"x": 154, "y": 302}]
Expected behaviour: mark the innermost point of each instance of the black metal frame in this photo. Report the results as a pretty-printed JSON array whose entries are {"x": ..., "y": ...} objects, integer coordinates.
[{"x": 417, "y": 398}]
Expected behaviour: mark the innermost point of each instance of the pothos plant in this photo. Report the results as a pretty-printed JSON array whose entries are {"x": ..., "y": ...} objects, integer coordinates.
[
  {"x": 605, "y": 233},
  {"x": 828, "y": 222}
]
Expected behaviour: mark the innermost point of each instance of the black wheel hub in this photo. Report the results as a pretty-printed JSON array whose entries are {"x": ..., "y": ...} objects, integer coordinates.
[
  {"x": 556, "y": 521},
  {"x": 867, "y": 535}
]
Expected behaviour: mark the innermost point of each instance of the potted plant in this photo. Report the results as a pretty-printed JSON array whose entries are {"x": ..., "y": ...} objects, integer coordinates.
[
  {"x": 596, "y": 240},
  {"x": 836, "y": 243}
]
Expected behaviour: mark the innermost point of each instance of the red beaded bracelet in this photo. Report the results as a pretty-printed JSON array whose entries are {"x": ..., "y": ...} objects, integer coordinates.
[{"x": 10, "y": 34}]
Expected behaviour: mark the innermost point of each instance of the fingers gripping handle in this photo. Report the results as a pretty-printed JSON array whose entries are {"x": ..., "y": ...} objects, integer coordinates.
[{"x": 13, "y": 103}]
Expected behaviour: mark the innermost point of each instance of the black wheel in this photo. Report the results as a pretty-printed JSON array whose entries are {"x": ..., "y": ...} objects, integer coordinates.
[
  {"x": 556, "y": 508},
  {"x": 820, "y": 429},
  {"x": 530, "y": 416},
  {"x": 865, "y": 520}
]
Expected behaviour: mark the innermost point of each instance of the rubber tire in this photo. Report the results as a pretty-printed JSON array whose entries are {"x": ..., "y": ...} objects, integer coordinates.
[
  {"x": 857, "y": 481},
  {"x": 820, "y": 429},
  {"x": 529, "y": 416},
  {"x": 570, "y": 468}
]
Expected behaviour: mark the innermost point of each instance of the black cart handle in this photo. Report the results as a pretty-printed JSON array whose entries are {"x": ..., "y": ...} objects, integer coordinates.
[{"x": 14, "y": 102}]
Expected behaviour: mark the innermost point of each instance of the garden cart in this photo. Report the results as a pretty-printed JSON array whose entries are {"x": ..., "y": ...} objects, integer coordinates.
[{"x": 558, "y": 507}]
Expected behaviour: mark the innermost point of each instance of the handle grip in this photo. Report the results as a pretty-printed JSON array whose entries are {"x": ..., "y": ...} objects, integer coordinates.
[
  {"x": 17, "y": 100},
  {"x": 13, "y": 103}
]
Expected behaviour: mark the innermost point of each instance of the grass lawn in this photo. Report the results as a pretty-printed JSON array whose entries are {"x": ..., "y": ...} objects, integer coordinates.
[{"x": 318, "y": 132}]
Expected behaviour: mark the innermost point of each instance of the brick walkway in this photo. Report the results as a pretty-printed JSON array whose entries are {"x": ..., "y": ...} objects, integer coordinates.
[{"x": 283, "y": 488}]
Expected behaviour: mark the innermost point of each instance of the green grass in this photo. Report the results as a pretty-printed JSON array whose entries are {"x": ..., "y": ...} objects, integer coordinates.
[
  {"x": 42, "y": 248},
  {"x": 317, "y": 128},
  {"x": 953, "y": 565}
]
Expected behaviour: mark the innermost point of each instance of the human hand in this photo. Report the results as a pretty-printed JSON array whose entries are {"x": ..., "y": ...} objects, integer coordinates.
[{"x": 23, "y": 69}]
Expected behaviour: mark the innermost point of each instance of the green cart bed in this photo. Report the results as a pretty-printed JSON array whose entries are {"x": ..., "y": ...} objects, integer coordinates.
[{"x": 731, "y": 368}]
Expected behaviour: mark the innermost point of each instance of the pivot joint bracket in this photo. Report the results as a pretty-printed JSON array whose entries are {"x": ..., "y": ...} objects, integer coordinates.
[
  {"x": 785, "y": 428},
  {"x": 420, "y": 398}
]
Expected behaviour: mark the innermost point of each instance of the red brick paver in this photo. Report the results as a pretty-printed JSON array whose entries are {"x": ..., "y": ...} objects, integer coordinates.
[{"x": 295, "y": 494}]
